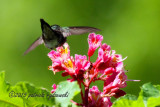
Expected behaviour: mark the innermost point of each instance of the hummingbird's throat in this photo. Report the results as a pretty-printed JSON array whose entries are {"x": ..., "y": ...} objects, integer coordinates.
[{"x": 51, "y": 44}]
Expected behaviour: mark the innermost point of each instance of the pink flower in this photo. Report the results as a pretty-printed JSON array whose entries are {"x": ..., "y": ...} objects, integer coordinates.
[
  {"x": 114, "y": 82},
  {"x": 79, "y": 66},
  {"x": 61, "y": 60},
  {"x": 60, "y": 53},
  {"x": 81, "y": 62},
  {"x": 58, "y": 57},
  {"x": 96, "y": 98},
  {"x": 107, "y": 68},
  {"x": 94, "y": 42},
  {"x": 54, "y": 88},
  {"x": 119, "y": 93},
  {"x": 106, "y": 47},
  {"x": 103, "y": 59},
  {"x": 69, "y": 65}
]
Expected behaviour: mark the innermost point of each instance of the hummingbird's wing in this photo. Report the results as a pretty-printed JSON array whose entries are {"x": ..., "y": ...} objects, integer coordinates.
[
  {"x": 34, "y": 44},
  {"x": 77, "y": 30}
]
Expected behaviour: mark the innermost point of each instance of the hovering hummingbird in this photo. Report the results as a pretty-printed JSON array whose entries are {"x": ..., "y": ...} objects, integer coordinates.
[{"x": 54, "y": 36}]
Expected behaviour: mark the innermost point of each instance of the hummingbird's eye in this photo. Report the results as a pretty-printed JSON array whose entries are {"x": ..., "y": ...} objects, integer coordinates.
[{"x": 55, "y": 27}]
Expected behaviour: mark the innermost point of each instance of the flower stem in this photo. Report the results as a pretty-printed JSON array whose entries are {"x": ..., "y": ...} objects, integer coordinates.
[
  {"x": 86, "y": 90},
  {"x": 89, "y": 59},
  {"x": 81, "y": 92},
  {"x": 92, "y": 78},
  {"x": 86, "y": 96},
  {"x": 84, "y": 83}
]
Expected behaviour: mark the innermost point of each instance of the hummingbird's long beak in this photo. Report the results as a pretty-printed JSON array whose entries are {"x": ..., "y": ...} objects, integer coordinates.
[
  {"x": 42, "y": 20},
  {"x": 44, "y": 24}
]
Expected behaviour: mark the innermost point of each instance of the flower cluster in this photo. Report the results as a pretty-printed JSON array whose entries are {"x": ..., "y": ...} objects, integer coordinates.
[{"x": 108, "y": 68}]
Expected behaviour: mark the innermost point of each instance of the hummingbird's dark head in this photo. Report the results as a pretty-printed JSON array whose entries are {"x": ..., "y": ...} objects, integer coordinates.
[{"x": 56, "y": 27}]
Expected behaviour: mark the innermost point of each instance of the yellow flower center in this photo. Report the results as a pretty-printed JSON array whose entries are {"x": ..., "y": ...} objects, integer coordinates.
[
  {"x": 62, "y": 51},
  {"x": 114, "y": 59},
  {"x": 68, "y": 63},
  {"x": 121, "y": 77}
]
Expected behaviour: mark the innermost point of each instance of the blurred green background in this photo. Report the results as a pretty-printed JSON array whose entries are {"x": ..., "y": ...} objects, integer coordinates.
[{"x": 132, "y": 28}]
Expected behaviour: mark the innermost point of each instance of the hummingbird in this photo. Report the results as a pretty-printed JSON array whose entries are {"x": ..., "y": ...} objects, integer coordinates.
[{"x": 55, "y": 36}]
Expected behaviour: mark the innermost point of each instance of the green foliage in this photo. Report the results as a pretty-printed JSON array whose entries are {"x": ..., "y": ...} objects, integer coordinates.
[
  {"x": 69, "y": 88},
  {"x": 26, "y": 94},
  {"x": 149, "y": 96}
]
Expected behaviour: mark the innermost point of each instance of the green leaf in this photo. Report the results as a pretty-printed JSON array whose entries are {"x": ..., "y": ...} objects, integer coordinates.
[
  {"x": 68, "y": 90},
  {"x": 5, "y": 89},
  {"x": 149, "y": 96},
  {"x": 33, "y": 96},
  {"x": 128, "y": 101},
  {"x": 20, "y": 94},
  {"x": 26, "y": 94},
  {"x": 148, "y": 90}
]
